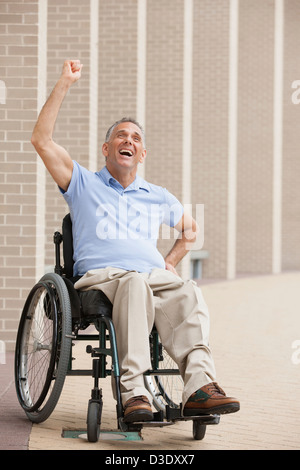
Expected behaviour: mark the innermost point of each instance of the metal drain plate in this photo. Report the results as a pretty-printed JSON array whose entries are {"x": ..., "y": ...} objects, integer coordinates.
[{"x": 104, "y": 435}]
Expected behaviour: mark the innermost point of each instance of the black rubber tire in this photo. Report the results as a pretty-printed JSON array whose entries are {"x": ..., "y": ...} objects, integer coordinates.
[
  {"x": 199, "y": 430},
  {"x": 93, "y": 420}
]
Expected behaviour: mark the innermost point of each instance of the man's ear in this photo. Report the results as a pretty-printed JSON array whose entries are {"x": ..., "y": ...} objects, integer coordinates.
[
  {"x": 105, "y": 149},
  {"x": 143, "y": 156}
]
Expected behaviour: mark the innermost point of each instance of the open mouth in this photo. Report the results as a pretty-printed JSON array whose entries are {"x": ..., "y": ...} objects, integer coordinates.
[{"x": 126, "y": 152}]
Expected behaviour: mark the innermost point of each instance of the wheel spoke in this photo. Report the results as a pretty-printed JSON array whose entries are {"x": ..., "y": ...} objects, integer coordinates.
[{"x": 165, "y": 389}]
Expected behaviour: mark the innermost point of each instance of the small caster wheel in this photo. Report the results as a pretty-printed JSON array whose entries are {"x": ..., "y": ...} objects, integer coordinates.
[
  {"x": 94, "y": 420},
  {"x": 198, "y": 430}
]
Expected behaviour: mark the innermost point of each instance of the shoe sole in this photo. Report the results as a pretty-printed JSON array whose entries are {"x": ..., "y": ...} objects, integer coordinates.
[
  {"x": 139, "y": 415},
  {"x": 222, "y": 410}
]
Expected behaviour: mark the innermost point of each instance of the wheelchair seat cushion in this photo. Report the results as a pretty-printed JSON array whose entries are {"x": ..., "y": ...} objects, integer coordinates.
[{"x": 95, "y": 303}]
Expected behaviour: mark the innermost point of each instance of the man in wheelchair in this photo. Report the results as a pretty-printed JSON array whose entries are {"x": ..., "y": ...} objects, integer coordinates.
[{"x": 116, "y": 217}]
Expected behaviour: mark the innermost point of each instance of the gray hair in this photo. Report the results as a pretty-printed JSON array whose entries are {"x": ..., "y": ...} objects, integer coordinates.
[{"x": 110, "y": 130}]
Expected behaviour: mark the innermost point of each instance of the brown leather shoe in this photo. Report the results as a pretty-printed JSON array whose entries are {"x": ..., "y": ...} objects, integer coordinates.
[
  {"x": 210, "y": 399},
  {"x": 137, "y": 409}
]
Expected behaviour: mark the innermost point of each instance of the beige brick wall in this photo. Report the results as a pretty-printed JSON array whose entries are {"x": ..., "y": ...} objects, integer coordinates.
[
  {"x": 291, "y": 117},
  {"x": 117, "y": 64},
  {"x": 210, "y": 128},
  {"x": 164, "y": 97},
  {"x": 68, "y": 38},
  {"x": 19, "y": 165},
  {"x": 255, "y": 137}
]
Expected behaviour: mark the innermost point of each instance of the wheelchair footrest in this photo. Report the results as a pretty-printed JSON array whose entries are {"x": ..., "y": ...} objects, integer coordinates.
[
  {"x": 203, "y": 419},
  {"x": 175, "y": 414},
  {"x": 158, "y": 421},
  {"x": 172, "y": 415}
]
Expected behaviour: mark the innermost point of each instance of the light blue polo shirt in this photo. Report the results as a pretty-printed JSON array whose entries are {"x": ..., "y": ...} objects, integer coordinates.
[{"x": 117, "y": 227}]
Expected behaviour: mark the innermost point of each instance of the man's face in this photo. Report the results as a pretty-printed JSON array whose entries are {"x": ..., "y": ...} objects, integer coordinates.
[{"x": 125, "y": 148}]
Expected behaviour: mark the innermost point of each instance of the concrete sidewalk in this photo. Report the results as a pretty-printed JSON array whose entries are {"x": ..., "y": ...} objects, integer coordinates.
[
  {"x": 14, "y": 426},
  {"x": 254, "y": 323}
]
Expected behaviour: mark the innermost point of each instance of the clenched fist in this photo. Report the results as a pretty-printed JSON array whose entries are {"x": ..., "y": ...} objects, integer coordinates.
[{"x": 72, "y": 70}]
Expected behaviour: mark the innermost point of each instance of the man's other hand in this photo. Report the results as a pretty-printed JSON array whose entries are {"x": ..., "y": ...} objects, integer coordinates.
[{"x": 170, "y": 267}]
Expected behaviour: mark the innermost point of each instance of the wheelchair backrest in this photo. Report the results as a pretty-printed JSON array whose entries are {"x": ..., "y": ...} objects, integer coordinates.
[{"x": 67, "y": 246}]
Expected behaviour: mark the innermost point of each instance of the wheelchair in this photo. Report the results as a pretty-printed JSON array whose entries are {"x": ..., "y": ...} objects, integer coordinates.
[{"x": 54, "y": 316}]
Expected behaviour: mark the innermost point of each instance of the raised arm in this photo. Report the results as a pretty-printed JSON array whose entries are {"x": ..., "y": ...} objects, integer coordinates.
[{"x": 56, "y": 159}]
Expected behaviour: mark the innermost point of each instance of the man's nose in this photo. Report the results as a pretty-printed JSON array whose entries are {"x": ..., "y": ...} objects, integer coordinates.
[{"x": 128, "y": 139}]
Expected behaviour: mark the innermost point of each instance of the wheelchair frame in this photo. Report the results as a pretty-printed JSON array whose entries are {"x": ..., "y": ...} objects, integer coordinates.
[{"x": 54, "y": 301}]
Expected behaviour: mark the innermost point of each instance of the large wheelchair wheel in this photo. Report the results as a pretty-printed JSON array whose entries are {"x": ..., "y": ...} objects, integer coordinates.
[
  {"x": 165, "y": 388},
  {"x": 43, "y": 347}
]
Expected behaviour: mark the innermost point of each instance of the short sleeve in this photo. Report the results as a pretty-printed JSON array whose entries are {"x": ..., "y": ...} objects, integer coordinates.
[
  {"x": 77, "y": 183},
  {"x": 173, "y": 210}
]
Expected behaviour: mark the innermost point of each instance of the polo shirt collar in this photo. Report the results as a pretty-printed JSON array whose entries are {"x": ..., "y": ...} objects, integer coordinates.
[{"x": 138, "y": 183}]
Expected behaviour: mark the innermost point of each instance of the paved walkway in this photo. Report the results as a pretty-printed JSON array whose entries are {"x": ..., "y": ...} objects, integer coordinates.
[
  {"x": 14, "y": 426},
  {"x": 254, "y": 325}
]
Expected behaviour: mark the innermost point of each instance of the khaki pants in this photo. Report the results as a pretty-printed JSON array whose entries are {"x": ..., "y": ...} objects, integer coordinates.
[{"x": 180, "y": 315}]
